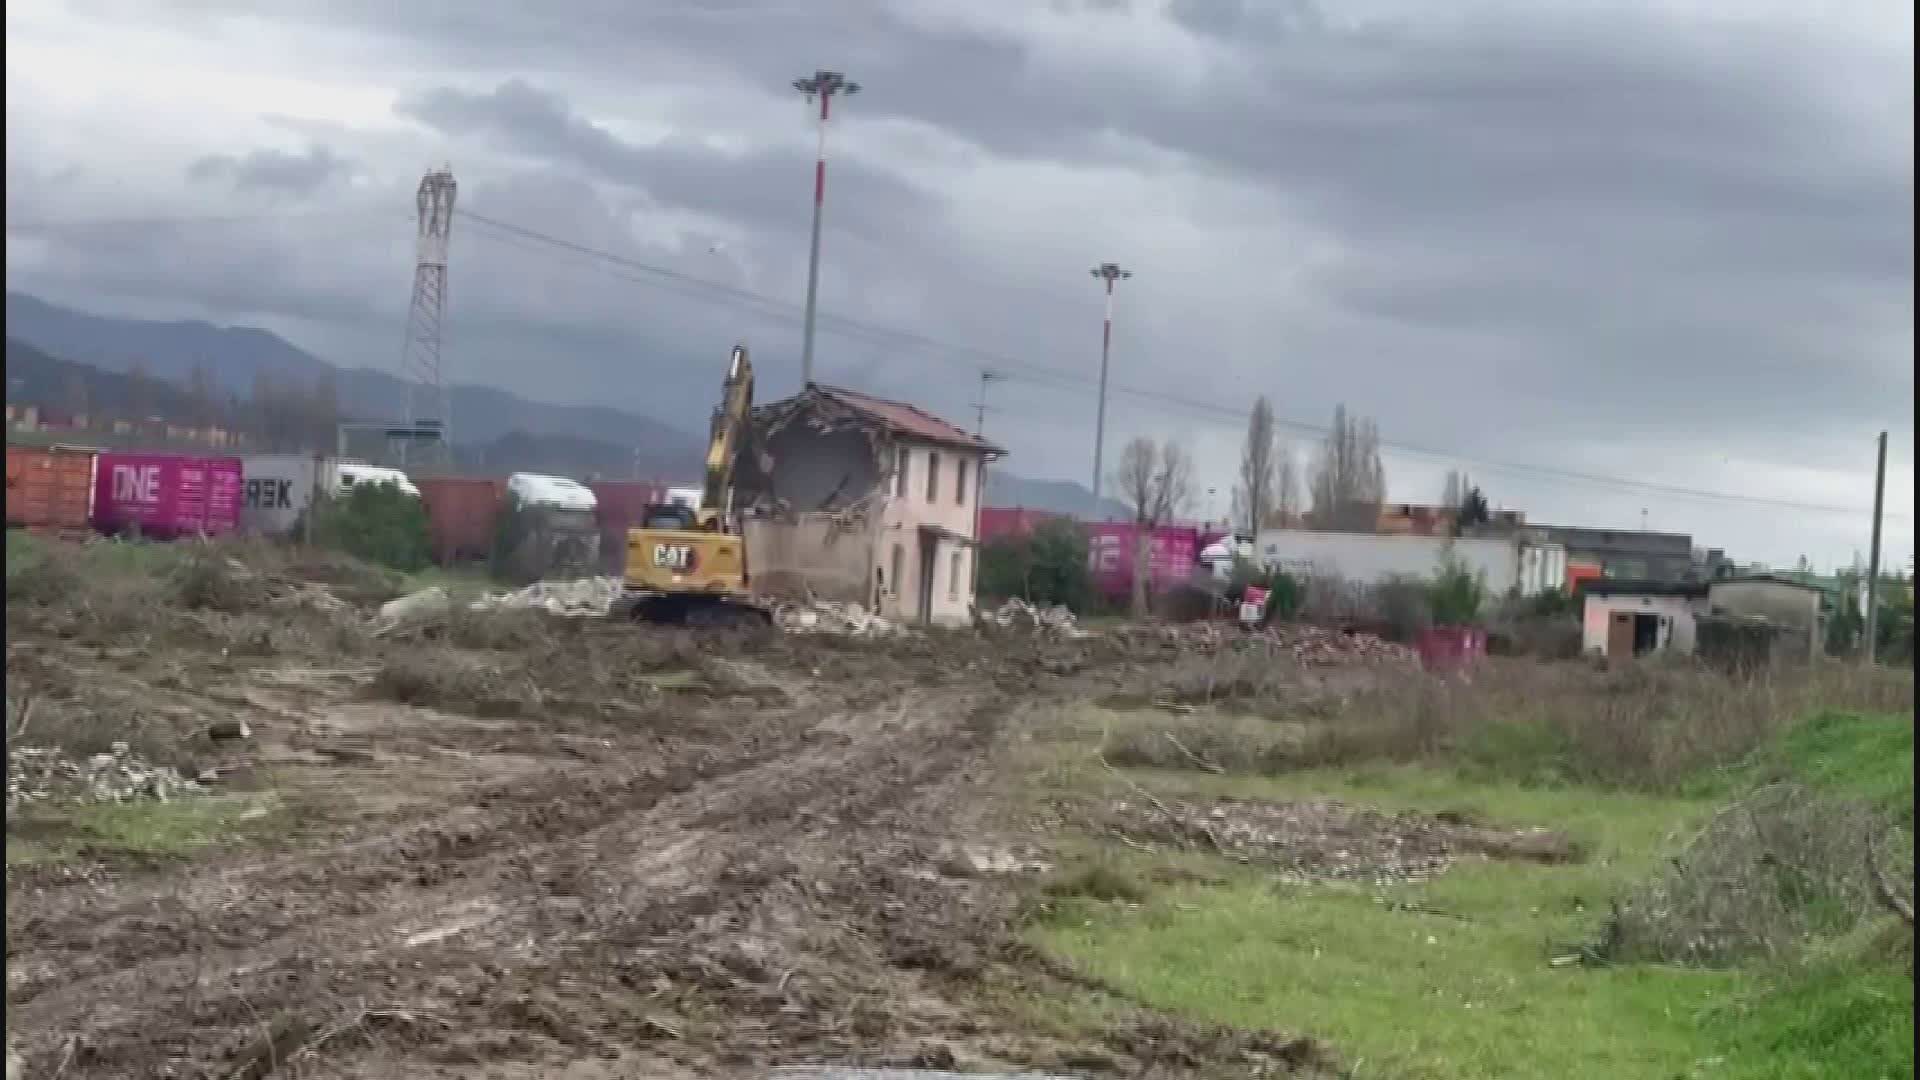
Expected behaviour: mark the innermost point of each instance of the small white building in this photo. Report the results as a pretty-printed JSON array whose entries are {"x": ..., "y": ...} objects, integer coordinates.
[{"x": 1625, "y": 619}]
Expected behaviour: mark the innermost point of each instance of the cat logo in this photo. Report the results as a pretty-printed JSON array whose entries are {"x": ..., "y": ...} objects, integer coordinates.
[{"x": 675, "y": 557}]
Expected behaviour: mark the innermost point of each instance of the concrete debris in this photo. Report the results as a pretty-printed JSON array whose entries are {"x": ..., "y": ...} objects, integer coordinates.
[
  {"x": 1309, "y": 645},
  {"x": 1053, "y": 619},
  {"x": 36, "y": 774},
  {"x": 833, "y": 617},
  {"x": 413, "y": 608},
  {"x": 584, "y": 598},
  {"x": 1331, "y": 841}
]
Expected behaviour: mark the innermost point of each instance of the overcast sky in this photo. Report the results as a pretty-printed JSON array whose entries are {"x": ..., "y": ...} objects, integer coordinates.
[{"x": 1659, "y": 240}]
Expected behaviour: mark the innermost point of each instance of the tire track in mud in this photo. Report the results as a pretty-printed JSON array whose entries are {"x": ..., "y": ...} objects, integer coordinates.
[{"x": 198, "y": 963}]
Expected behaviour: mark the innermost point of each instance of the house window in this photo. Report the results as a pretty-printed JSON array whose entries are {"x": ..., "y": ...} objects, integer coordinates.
[
  {"x": 933, "y": 476},
  {"x": 900, "y": 459},
  {"x": 899, "y": 566},
  {"x": 960, "y": 482},
  {"x": 953, "y": 577}
]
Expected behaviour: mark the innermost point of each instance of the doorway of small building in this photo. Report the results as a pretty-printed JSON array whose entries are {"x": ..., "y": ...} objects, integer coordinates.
[
  {"x": 925, "y": 591},
  {"x": 1646, "y": 632},
  {"x": 1632, "y": 633}
]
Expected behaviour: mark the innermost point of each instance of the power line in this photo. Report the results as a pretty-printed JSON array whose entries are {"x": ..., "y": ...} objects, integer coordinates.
[
  {"x": 1043, "y": 375},
  {"x": 651, "y": 275}
]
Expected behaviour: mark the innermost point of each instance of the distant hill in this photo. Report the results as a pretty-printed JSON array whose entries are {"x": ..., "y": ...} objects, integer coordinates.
[
  {"x": 234, "y": 356},
  {"x": 497, "y": 431},
  {"x": 1056, "y": 496},
  {"x": 36, "y": 378}
]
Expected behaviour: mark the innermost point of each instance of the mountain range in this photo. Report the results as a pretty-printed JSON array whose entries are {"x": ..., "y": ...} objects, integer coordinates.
[{"x": 499, "y": 431}]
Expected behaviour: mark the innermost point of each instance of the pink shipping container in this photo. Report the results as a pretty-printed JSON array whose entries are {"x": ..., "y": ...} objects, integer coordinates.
[
  {"x": 462, "y": 515},
  {"x": 166, "y": 495},
  {"x": 1000, "y": 521},
  {"x": 1450, "y": 648},
  {"x": 1171, "y": 556},
  {"x": 621, "y": 505}
]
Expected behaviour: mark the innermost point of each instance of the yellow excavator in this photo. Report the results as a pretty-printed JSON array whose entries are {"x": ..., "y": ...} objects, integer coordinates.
[{"x": 689, "y": 564}]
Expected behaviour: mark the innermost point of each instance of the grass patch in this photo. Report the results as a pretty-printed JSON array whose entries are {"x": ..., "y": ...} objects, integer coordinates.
[
  {"x": 1451, "y": 978},
  {"x": 44, "y": 835}
]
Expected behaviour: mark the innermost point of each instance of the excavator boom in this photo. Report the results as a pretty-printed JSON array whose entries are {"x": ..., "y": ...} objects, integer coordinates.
[{"x": 723, "y": 444}]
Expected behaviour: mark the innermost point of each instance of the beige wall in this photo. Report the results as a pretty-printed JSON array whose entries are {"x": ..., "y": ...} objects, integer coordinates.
[
  {"x": 906, "y": 507},
  {"x": 1676, "y": 636},
  {"x": 821, "y": 553}
]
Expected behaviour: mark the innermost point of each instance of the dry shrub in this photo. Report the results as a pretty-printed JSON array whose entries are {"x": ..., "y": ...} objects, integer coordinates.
[
  {"x": 1650, "y": 725},
  {"x": 442, "y": 678},
  {"x": 1770, "y": 872},
  {"x": 83, "y": 726}
]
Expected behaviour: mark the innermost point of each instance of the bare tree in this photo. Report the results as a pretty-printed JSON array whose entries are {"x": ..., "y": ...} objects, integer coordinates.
[
  {"x": 1259, "y": 479},
  {"x": 1268, "y": 493},
  {"x": 1286, "y": 489},
  {"x": 1157, "y": 481},
  {"x": 1348, "y": 482}
]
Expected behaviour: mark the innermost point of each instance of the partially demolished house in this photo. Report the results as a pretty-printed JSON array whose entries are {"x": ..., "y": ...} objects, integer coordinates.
[{"x": 855, "y": 498}]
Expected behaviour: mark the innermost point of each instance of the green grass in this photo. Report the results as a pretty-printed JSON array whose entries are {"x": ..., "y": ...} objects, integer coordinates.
[
  {"x": 1469, "y": 992},
  {"x": 160, "y": 830},
  {"x": 1846, "y": 1012},
  {"x": 1401, "y": 993}
]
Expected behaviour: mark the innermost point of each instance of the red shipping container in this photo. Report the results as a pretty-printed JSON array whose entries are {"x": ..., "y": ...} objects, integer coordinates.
[
  {"x": 1002, "y": 521},
  {"x": 621, "y": 505},
  {"x": 1171, "y": 557},
  {"x": 463, "y": 513},
  {"x": 166, "y": 495},
  {"x": 50, "y": 488}
]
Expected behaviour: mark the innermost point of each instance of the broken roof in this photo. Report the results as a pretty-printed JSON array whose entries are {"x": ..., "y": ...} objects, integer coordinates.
[{"x": 897, "y": 417}]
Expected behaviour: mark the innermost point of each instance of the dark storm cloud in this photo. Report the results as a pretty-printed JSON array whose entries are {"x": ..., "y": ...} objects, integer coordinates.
[
  {"x": 1637, "y": 242},
  {"x": 761, "y": 187},
  {"x": 274, "y": 170}
]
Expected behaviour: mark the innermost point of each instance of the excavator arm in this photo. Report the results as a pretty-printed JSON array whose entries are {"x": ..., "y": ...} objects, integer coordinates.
[{"x": 723, "y": 446}]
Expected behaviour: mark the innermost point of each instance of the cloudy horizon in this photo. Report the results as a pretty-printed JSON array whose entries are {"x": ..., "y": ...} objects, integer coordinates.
[{"x": 1556, "y": 245}]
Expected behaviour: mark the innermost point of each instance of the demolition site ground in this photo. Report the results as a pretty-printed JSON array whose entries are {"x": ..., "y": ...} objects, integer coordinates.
[{"x": 254, "y": 831}]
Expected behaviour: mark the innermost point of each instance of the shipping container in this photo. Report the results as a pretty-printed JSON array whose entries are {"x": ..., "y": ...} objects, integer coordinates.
[
  {"x": 1002, "y": 521},
  {"x": 1172, "y": 556},
  {"x": 621, "y": 506},
  {"x": 50, "y": 488},
  {"x": 167, "y": 495},
  {"x": 1543, "y": 567},
  {"x": 463, "y": 514},
  {"x": 277, "y": 489},
  {"x": 1374, "y": 558},
  {"x": 1450, "y": 648}
]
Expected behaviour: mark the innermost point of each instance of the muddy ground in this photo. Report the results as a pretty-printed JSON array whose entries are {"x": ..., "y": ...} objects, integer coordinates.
[{"x": 516, "y": 846}]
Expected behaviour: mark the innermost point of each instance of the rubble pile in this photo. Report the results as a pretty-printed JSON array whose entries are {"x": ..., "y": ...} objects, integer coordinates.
[
  {"x": 1331, "y": 841},
  {"x": 833, "y": 617},
  {"x": 1320, "y": 646},
  {"x": 35, "y": 774},
  {"x": 1310, "y": 645},
  {"x": 1054, "y": 619},
  {"x": 584, "y": 598}
]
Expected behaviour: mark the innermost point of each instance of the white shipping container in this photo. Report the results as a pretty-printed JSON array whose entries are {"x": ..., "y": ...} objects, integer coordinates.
[
  {"x": 1372, "y": 558},
  {"x": 1543, "y": 567},
  {"x": 275, "y": 489}
]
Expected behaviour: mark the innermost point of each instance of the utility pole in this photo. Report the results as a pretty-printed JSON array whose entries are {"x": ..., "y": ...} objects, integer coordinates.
[
  {"x": 987, "y": 375},
  {"x": 1867, "y": 648},
  {"x": 1109, "y": 273},
  {"x": 823, "y": 85}
]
